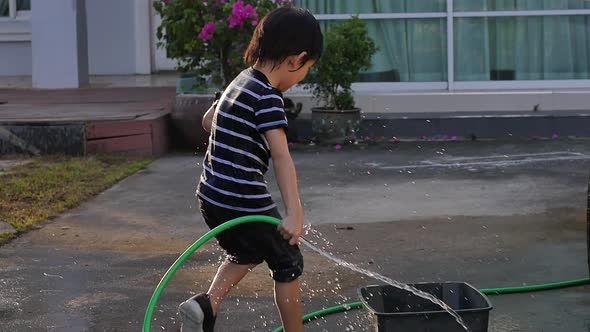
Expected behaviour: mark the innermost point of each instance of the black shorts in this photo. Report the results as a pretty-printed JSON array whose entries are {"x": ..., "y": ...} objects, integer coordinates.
[{"x": 253, "y": 243}]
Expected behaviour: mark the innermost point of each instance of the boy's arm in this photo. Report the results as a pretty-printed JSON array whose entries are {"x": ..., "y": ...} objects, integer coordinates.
[
  {"x": 207, "y": 121},
  {"x": 292, "y": 224}
]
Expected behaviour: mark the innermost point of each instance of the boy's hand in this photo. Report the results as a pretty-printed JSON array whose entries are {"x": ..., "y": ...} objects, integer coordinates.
[{"x": 291, "y": 228}]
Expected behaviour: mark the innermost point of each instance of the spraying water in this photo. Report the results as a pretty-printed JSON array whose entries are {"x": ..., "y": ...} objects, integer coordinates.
[{"x": 389, "y": 281}]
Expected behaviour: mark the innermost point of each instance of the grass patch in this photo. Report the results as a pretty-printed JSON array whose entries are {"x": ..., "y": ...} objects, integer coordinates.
[{"x": 50, "y": 185}]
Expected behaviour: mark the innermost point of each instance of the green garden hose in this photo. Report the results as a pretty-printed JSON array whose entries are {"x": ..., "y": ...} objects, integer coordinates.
[
  {"x": 317, "y": 314},
  {"x": 327, "y": 311},
  {"x": 535, "y": 288}
]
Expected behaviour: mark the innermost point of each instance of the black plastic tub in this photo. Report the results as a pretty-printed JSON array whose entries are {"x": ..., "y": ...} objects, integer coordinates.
[{"x": 397, "y": 310}]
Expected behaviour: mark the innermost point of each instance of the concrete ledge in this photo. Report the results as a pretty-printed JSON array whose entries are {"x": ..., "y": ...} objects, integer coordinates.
[
  {"x": 464, "y": 125},
  {"x": 80, "y": 121},
  {"x": 151, "y": 135},
  {"x": 375, "y": 101}
]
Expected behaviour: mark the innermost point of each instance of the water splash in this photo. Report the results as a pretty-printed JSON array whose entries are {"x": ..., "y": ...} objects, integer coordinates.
[{"x": 389, "y": 281}]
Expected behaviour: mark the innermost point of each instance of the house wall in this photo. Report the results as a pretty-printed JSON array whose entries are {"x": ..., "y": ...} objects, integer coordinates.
[
  {"x": 16, "y": 58},
  {"x": 458, "y": 101},
  {"x": 111, "y": 35}
]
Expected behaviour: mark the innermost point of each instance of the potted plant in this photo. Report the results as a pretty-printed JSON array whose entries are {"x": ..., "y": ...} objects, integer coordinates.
[
  {"x": 207, "y": 38},
  {"x": 348, "y": 50}
]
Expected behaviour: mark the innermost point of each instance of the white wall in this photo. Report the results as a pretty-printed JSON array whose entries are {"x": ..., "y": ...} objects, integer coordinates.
[
  {"x": 111, "y": 42},
  {"x": 161, "y": 60},
  {"x": 16, "y": 58},
  {"x": 59, "y": 44},
  {"x": 476, "y": 101},
  {"x": 111, "y": 36}
]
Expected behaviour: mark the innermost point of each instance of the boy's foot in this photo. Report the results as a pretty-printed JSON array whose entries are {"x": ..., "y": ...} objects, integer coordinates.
[{"x": 197, "y": 314}]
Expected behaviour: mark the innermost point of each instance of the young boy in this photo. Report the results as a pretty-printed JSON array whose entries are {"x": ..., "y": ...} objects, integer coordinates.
[{"x": 247, "y": 126}]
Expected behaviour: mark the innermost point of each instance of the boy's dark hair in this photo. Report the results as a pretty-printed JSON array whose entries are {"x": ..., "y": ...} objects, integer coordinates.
[{"x": 284, "y": 32}]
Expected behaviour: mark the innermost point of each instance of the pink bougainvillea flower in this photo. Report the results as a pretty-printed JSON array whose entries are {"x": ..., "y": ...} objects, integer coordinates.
[
  {"x": 236, "y": 18},
  {"x": 241, "y": 13},
  {"x": 234, "y": 21},
  {"x": 207, "y": 32},
  {"x": 249, "y": 12},
  {"x": 238, "y": 6}
]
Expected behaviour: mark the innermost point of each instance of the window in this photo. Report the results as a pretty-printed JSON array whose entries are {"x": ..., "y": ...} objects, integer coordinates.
[
  {"x": 373, "y": 6},
  {"x": 507, "y": 5},
  {"x": 4, "y": 10},
  {"x": 522, "y": 48},
  {"x": 410, "y": 50},
  {"x": 412, "y": 45},
  {"x": 471, "y": 44},
  {"x": 14, "y": 8},
  {"x": 15, "y": 25}
]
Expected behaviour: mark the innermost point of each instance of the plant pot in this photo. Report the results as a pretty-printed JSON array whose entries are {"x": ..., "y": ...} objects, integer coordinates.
[
  {"x": 187, "y": 115},
  {"x": 332, "y": 126}
]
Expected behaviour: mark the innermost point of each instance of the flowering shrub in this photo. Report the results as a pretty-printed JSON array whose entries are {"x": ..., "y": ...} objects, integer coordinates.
[{"x": 209, "y": 37}]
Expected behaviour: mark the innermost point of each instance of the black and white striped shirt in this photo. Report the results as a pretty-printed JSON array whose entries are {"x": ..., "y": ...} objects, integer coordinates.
[{"x": 238, "y": 154}]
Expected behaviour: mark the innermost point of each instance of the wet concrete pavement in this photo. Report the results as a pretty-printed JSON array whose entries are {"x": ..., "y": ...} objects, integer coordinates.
[{"x": 489, "y": 213}]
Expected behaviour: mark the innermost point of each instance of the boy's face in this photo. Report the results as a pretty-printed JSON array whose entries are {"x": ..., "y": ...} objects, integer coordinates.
[
  {"x": 303, "y": 71},
  {"x": 295, "y": 73}
]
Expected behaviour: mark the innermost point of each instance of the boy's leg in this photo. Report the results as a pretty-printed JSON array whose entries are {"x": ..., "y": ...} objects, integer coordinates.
[
  {"x": 198, "y": 313},
  {"x": 228, "y": 275},
  {"x": 288, "y": 299}
]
